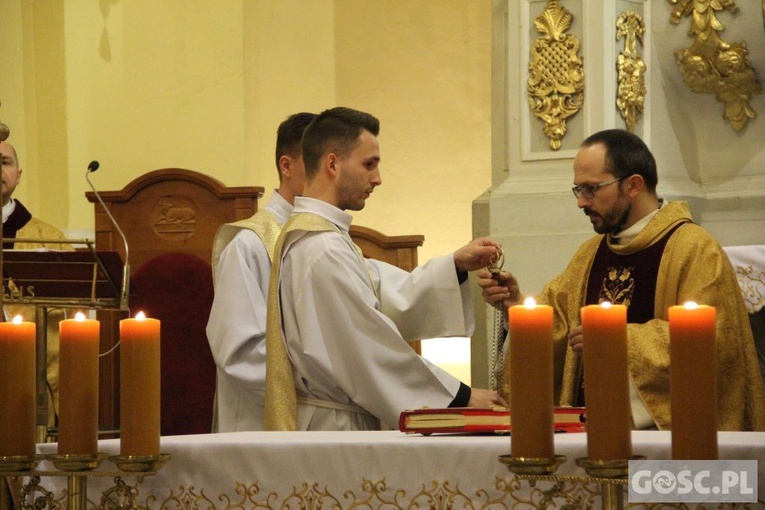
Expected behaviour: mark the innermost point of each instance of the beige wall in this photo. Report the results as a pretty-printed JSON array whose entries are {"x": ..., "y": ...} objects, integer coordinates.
[{"x": 142, "y": 85}]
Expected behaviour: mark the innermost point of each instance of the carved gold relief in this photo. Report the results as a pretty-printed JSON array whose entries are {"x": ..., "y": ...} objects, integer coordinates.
[
  {"x": 556, "y": 74},
  {"x": 713, "y": 66},
  {"x": 631, "y": 90}
]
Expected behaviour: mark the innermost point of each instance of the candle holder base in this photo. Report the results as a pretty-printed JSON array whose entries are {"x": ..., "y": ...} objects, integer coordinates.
[
  {"x": 76, "y": 461},
  {"x": 139, "y": 463},
  {"x": 531, "y": 465},
  {"x": 19, "y": 462},
  {"x": 607, "y": 468}
]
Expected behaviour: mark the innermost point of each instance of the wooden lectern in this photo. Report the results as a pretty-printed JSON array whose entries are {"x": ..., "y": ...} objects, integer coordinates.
[{"x": 59, "y": 279}]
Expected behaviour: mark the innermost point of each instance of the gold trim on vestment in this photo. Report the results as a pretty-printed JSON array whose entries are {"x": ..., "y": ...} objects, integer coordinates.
[
  {"x": 281, "y": 397},
  {"x": 264, "y": 224}
]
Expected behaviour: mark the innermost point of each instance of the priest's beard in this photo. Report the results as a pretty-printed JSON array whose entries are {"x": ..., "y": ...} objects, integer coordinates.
[{"x": 612, "y": 221}]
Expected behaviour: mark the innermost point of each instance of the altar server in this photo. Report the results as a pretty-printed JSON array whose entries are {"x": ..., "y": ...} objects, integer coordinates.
[
  {"x": 241, "y": 259},
  {"x": 338, "y": 323}
]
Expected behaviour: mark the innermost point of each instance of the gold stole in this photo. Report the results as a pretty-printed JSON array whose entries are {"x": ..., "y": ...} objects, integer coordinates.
[
  {"x": 264, "y": 224},
  {"x": 281, "y": 397}
]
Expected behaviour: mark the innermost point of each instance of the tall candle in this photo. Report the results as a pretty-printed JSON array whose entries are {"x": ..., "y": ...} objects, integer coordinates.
[
  {"x": 693, "y": 382},
  {"x": 606, "y": 382},
  {"x": 17, "y": 388},
  {"x": 531, "y": 380},
  {"x": 78, "y": 386},
  {"x": 139, "y": 386}
]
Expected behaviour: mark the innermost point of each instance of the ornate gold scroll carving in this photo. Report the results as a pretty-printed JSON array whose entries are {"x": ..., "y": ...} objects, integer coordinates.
[
  {"x": 630, "y": 67},
  {"x": 556, "y": 74},
  {"x": 713, "y": 66}
]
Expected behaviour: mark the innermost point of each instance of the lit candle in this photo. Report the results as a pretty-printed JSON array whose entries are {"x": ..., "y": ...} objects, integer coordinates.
[
  {"x": 17, "y": 388},
  {"x": 531, "y": 380},
  {"x": 693, "y": 382},
  {"x": 78, "y": 386},
  {"x": 139, "y": 386},
  {"x": 606, "y": 382}
]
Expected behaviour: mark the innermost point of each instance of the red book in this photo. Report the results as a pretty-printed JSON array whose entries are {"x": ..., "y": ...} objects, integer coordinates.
[{"x": 473, "y": 420}]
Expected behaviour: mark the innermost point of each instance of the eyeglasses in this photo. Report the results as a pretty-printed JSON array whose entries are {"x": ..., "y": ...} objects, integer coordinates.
[{"x": 588, "y": 190}]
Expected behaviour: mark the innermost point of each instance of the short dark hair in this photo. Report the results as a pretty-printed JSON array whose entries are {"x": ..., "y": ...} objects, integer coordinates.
[
  {"x": 626, "y": 154},
  {"x": 289, "y": 134},
  {"x": 335, "y": 130}
]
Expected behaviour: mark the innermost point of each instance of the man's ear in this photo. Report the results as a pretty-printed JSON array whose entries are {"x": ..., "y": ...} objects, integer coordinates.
[
  {"x": 331, "y": 163},
  {"x": 285, "y": 166},
  {"x": 635, "y": 184}
]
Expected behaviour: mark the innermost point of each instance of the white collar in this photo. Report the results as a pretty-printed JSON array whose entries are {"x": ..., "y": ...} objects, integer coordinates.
[
  {"x": 628, "y": 234},
  {"x": 8, "y": 209}
]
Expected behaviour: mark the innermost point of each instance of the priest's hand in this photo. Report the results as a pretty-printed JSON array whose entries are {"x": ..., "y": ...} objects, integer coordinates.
[
  {"x": 575, "y": 339},
  {"x": 485, "y": 398},
  {"x": 502, "y": 291},
  {"x": 477, "y": 254}
]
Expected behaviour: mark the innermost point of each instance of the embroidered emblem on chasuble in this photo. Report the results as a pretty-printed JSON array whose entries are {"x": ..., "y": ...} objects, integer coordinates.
[{"x": 627, "y": 279}]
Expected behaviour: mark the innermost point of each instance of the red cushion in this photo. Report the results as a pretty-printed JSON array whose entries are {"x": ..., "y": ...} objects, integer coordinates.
[{"x": 177, "y": 289}]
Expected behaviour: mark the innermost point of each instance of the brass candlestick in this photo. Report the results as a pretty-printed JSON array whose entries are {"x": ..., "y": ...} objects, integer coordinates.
[
  {"x": 19, "y": 462},
  {"x": 139, "y": 463},
  {"x": 531, "y": 465},
  {"x": 612, "y": 493},
  {"x": 76, "y": 461}
]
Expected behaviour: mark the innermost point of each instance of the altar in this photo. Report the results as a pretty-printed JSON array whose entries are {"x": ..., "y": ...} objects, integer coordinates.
[{"x": 370, "y": 470}]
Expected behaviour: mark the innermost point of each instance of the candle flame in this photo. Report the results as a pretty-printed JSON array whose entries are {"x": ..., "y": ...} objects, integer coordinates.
[
  {"x": 79, "y": 317},
  {"x": 529, "y": 302},
  {"x": 690, "y": 305},
  {"x": 140, "y": 316},
  {"x": 606, "y": 304},
  {"x": 18, "y": 319}
]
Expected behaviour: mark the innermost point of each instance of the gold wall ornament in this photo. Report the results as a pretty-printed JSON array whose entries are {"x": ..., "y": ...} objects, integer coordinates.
[
  {"x": 630, "y": 67},
  {"x": 556, "y": 73},
  {"x": 713, "y": 66}
]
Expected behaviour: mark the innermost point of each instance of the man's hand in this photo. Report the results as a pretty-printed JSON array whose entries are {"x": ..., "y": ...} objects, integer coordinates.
[
  {"x": 477, "y": 254},
  {"x": 485, "y": 398},
  {"x": 575, "y": 339},
  {"x": 502, "y": 291}
]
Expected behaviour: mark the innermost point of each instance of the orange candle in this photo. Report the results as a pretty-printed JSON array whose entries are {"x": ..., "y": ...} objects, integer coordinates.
[
  {"x": 531, "y": 380},
  {"x": 693, "y": 382},
  {"x": 139, "y": 386},
  {"x": 78, "y": 386},
  {"x": 606, "y": 382},
  {"x": 17, "y": 388}
]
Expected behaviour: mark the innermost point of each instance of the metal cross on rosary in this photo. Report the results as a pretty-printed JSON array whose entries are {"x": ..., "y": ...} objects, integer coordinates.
[{"x": 495, "y": 266}]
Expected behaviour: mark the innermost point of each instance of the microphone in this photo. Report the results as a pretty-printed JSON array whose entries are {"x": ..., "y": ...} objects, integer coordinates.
[{"x": 92, "y": 167}]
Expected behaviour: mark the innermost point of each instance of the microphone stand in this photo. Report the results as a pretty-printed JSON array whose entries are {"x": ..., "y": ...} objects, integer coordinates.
[{"x": 126, "y": 267}]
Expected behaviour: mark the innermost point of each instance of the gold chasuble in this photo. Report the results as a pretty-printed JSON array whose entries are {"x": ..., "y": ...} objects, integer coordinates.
[
  {"x": 38, "y": 229},
  {"x": 263, "y": 223},
  {"x": 693, "y": 267},
  {"x": 281, "y": 397}
]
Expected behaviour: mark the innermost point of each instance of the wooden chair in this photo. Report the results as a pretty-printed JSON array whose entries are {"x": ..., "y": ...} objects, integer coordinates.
[
  {"x": 169, "y": 218},
  {"x": 171, "y": 213}
]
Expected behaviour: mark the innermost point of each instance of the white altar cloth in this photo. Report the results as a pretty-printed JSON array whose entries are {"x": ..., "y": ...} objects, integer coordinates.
[{"x": 344, "y": 470}]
